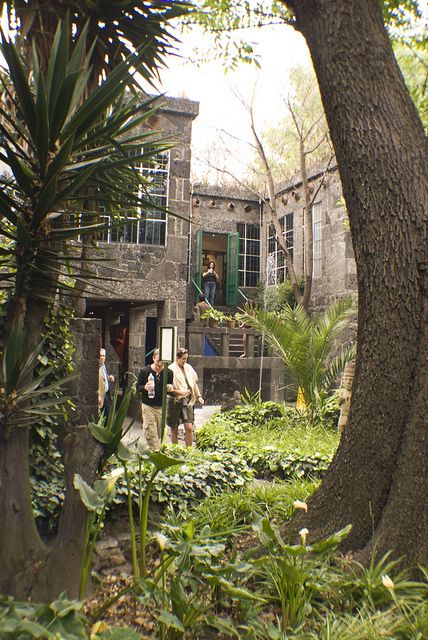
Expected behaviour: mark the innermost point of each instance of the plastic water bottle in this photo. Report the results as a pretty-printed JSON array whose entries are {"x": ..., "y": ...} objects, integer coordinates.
[{"x": 151, "y": 381}]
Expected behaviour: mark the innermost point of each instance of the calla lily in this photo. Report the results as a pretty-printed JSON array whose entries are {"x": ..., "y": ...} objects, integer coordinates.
[
  {"x": 387, "y": 582},
  {"x": 161, "y": 540},
  {"x": 298, "y": 504},
  {"x": 113, "y": 477},
  {"x": 303, "y": 533}
]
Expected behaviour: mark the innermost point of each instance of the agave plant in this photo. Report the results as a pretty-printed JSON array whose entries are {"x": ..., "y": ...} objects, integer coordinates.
[
  {"x": 63, "y": 157},
  {"x": 306, "y": 344}
]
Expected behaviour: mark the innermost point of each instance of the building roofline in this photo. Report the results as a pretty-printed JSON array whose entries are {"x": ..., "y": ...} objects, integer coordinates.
[
  {"x": 316, "y": 172},
  {"x": 169, "y": 104},
  {"x": 230, "y": 193}
]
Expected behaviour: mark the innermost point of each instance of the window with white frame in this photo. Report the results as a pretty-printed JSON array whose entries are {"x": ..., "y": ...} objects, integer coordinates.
[
  {"x": 148, "y": 225},
  {"x": 276, "y": 265},
  {"x": 249, "y": 254},
  {"x": 317, "y": 239}
]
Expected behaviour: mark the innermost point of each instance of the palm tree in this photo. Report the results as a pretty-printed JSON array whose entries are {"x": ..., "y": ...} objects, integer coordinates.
[{"x": 306, "y": 344}]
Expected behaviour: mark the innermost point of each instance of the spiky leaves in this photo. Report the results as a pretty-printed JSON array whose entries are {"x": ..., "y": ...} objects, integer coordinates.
[
  {"x": 306, "y": 344},
  {"x": 62, "y": 154}
]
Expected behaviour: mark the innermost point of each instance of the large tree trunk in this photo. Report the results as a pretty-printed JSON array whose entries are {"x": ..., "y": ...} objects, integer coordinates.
[{"x": 378, "y": 478}]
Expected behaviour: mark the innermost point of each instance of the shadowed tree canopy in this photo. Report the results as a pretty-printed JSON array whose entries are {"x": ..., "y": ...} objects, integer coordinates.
[
  {"x": 378, "y": 480},
  {"x": 68, "y": 138},
  {"x": 115, "y": 27}
]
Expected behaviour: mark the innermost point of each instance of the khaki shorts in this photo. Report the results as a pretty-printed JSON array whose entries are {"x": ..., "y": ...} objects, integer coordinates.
[{"x": 177, "y": 413}]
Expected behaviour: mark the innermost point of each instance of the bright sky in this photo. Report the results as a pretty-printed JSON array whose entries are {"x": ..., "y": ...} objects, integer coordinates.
[{"x": 280, "y": 47}]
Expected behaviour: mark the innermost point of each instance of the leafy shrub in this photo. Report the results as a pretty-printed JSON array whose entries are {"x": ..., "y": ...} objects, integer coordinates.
[
  {"x": 229, "y": 512},
  {"x": 205, "y": 473},
  {"x": 280, "y": 447}
]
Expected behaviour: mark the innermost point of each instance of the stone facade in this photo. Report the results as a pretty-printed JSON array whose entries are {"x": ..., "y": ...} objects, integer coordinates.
[
  {"x": 152, "y": 286},
  {"x": 337, "y": 275},
  {"x": 82, "y": 389},
  {"x": 218, "y": 212},
  {"x": 148, "y": 283}
]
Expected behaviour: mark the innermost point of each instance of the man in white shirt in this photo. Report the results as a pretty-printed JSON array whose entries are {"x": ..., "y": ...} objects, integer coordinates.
[
  {"x": 186, "y": 393},
  {"x": 104, "y": 379}
]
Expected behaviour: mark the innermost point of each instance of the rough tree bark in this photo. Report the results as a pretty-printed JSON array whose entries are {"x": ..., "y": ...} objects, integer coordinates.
[{"x": 378, "y": 480}]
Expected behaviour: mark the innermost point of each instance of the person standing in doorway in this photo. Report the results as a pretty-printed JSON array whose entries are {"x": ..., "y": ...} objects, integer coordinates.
[
  {"x": 210, "y": 279},
  {"x": 185, "y": 394},
  {"x": 150, "y": 385},
  {"x": 104, "y": 380}
]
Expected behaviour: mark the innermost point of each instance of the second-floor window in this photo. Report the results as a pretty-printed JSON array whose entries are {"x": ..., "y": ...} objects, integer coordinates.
[
  {"x": 276, "y": 265},
  {"x": 249, "y": 254},
  {"x": 148, "y": 225}
]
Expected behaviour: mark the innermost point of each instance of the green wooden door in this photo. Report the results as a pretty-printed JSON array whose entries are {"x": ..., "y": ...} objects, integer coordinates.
[
  {"x": 232, "y": 269},
  {"x": 198, "y": 262}
]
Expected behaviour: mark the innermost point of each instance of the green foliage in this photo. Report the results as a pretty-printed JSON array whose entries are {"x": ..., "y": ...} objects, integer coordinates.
[
  {"x": 23, "y": 396},
  {"x": 214, "y": 314},
  {"x": 412, "y": 56},
  {"x": 274, "y": 447},
  {"x": 61, "y": 155},
  {"x": 224, "y": 21},
  {"x": 306, "y": 345},
  {"x": 202, "y": 474},
  {"x": 276, "y": 297},
  {"x": 61, "y": 619},
  {"x": 229, "y": 513}
]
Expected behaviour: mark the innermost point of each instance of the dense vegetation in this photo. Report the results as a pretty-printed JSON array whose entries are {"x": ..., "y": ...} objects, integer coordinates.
[{"x": 215, "y": 563}]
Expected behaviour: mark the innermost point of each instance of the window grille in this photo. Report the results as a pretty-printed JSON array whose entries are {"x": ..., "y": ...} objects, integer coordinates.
[
  {"x": 249, "y": 254},
  {"x": 146, "y": 226},
  {"x": 276, "y": 265}
]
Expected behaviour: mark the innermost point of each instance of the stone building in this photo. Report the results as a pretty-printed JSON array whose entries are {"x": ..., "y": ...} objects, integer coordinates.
[
  {"x": 149, "y": 255},
  {"x": 156, "y": 262}
]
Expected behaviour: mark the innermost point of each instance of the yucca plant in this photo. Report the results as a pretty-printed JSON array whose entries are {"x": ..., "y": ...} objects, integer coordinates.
[
  {"x": 64, "y": 157},
  {"x": 306, "y": 344}
]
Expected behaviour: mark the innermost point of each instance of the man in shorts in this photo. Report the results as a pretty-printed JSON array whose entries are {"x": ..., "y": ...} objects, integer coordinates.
[{"x": 185, "y": 394}]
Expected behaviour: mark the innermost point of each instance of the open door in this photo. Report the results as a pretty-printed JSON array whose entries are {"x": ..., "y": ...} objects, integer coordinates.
[
  {"x": 198, "y": 262},
  {"x": 232, "y": 269}
]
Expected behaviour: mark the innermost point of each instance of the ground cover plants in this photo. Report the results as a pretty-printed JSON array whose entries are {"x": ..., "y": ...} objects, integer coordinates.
[
  {"x": 215, "y": 564},
  {"x": 273, "y": 446}
]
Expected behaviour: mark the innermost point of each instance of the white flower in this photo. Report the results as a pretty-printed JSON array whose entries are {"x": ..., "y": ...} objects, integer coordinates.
[
  {"x": 161, "y": 540},
  {"x": 303, "y": 533},
  {"x": 387, "y": 582},
  {"x": 298, "y": 504},
  {"x": 113, "y": 477}
]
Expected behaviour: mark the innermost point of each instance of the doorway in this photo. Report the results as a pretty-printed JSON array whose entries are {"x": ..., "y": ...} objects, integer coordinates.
[{"x": 222, "y": 249}]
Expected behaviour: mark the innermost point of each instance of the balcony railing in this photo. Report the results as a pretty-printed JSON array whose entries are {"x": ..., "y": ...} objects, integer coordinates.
[{"x": 224, "y": 341}]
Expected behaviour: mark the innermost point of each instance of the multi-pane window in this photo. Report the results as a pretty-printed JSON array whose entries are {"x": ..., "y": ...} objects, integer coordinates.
[
  {"x": 276, "y": 265},
  {"x": 317, "y": 239},
  {"x": 148, "y": 225},
  {"x": 249, "y": 254}
]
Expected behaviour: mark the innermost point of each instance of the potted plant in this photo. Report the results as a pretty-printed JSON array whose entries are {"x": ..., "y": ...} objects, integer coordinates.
[
  {"x": 214, "y": 316},
  {"x": 231, "y": 322}
]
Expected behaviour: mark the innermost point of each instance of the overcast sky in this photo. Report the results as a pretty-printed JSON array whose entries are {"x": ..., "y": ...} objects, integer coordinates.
[{"x": 280, "y": 47}]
